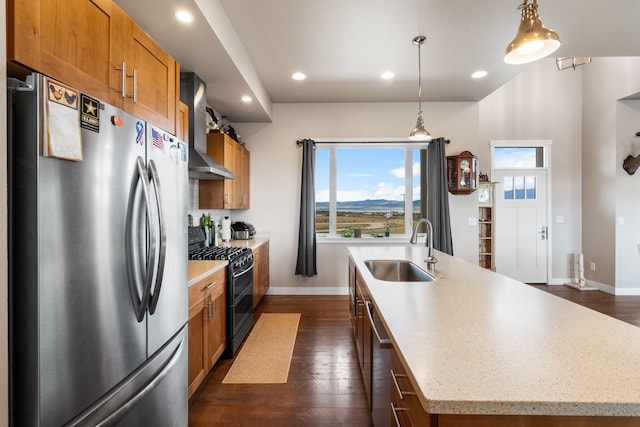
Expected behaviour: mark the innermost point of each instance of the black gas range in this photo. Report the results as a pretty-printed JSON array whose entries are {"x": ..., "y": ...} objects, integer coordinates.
[{"x": 239, "y": 284}]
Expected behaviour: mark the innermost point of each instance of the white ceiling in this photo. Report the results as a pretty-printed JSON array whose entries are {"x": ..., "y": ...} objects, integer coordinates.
[{"x": 251, "y": 47}]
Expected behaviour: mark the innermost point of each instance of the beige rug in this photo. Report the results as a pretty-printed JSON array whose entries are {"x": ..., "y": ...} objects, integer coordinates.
[{"x": 266, "y": 354}]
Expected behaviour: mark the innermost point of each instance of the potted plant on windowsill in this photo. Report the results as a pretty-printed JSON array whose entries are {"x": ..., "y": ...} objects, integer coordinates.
[
  {"x": 387, "y": 230},
  {"x": 357, "y": 230}
]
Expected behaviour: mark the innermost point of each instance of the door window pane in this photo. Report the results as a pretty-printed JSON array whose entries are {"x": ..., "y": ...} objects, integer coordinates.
[
  {"x": 508, "y": 187},
  {"x": 530, "y": 186},
  {"x": 518, "y": 183}
]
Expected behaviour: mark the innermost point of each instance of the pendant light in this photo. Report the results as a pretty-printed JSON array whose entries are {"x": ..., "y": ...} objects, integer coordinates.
[
  {"x": 419, "y": 133},
  {"x": 533, "y": 40}
]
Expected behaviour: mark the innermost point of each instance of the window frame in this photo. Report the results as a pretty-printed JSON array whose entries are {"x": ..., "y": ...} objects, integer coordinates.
[{"x": 334, "y": 144}]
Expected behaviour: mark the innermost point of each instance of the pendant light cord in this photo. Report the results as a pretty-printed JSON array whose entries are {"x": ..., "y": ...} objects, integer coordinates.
[{"x": 418, "y": 40}]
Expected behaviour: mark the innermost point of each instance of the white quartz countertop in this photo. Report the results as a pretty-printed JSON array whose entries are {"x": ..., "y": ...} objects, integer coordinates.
[{"x": 476, "y": 342}]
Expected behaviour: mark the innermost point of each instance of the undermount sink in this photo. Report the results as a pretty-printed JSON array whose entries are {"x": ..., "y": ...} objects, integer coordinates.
[{"x": 397, "y": 271}]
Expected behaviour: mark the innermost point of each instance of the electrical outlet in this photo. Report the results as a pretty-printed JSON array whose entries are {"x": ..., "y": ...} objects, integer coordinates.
[{"x": 592, "y": 266}]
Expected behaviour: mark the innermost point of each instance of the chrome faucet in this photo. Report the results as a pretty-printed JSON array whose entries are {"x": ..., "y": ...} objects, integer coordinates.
[{"x": 431, "y": 259}]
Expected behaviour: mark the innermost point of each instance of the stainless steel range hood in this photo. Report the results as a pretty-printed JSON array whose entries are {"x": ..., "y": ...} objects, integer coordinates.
[{"x": 201, "y": 166}]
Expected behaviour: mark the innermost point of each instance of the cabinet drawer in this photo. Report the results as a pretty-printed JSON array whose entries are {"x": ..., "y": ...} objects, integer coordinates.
[
  {"x": 406, "y": 408},
  {"x": 206, "y": 286}
]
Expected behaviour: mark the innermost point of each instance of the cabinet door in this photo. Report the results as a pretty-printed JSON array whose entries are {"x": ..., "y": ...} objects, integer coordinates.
[
  {"x": 69, "y": 40},
  {"x": 220, "y": 193},
  {"x": 257, "y": 255},
  {"x": 182, "y": 122},
  {"x": 216, "y": 326},
  {"x": 244, "y": 171},
  {"x": 197, "y": 360},
  {"x": 151, "y": 79}
]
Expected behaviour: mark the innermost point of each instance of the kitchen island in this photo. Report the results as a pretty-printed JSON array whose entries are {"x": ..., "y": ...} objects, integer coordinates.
[{"x": 482, "y": 349}]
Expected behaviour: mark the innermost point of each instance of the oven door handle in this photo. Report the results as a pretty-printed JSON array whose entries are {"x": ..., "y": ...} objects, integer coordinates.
[{"x": 244, "y": 271}]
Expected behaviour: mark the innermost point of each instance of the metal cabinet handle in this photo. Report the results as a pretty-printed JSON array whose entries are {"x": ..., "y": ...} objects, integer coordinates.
[
  {"x": 209, "y": 286},
  {"x": 123, "y": 91},
  {"x": 384, "y": 342},
  {"x": 213, "y": 309},
  {"x": 401, "y": 393},
  {"x": 395, "y": 411},
  {"x": 135, "y": 86}
]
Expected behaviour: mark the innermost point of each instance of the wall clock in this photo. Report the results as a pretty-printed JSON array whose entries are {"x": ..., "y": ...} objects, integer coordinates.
[{"x": 461, "y": 173}]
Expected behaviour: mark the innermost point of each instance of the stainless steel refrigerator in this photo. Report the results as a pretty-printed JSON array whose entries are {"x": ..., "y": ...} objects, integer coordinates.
[{"x": 98, "y": 263}]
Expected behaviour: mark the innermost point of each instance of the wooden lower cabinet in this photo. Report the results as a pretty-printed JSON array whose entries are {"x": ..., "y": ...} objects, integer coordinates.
[
  {"x": 207, "y": 326},
  {"x": 260, "y": 272},
  {"x": 406, "y": 409}
]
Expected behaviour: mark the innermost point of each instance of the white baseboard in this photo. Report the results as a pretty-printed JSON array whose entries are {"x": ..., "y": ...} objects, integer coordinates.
[{"x": 307, "y": 290}]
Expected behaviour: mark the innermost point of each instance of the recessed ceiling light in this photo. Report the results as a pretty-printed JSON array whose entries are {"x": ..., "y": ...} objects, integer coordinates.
[
  {"x": 387, "y": 75},
  {"x": 247, "y": 98},
  {"x": 479, "y": 74},
  {"x": 184, "y": 16},
  {"x": 298, "y": 76}
]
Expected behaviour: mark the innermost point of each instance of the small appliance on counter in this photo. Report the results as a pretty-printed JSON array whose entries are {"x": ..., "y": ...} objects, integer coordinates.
[
  {"x": 225, "y": 229},
  {"x": 243, "y": 230}
]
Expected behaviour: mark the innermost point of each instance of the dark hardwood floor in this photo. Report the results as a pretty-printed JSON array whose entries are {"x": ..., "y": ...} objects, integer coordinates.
[
  {"x": 325, "y": 387},
  {"x": 625, "y": 308}
]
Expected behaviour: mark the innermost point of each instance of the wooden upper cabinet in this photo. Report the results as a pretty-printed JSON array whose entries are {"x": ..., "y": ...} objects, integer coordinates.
[
  {"x": 69, "y": 40},
  {"x": 84, "y": 43},
  {"x": 150, "y": 81},
  {"x": 226, "y": 193}
]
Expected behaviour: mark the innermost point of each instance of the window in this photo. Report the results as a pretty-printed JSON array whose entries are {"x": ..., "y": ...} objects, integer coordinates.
[
  {"x": 518, "y": 157},
  {"x": 364, "y": 185},
  {"x": 519, "y": 187}
]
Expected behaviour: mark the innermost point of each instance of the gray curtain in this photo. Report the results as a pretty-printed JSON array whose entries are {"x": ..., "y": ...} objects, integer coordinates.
[
  {"x": 438, "y": 197},
  {"x": 306, "y": 264}
]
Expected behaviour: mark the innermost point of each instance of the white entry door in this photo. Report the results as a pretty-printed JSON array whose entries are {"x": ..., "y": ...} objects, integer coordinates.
[{"x": 521, "y": 240}]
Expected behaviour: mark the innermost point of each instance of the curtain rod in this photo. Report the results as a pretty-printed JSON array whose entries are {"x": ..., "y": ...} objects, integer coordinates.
[{"x": 367, "y": 141}]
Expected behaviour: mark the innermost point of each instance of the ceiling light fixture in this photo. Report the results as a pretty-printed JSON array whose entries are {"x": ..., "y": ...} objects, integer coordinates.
[
  {"x": 246, "y": 98},
  {"x": 387, "y": 75},
  {"x": 184, "y": 16},
  {"x": 479, "y": 74},
  {"x": 298, "y": 76},
  {"x": 533, "y": 40},
  {"x": 419, "y": 133}
]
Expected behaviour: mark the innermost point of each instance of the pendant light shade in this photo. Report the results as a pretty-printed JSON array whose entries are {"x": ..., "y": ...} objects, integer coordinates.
[
  {"x": 533, "y": 40},
  {"x": 419, "y": 133}
]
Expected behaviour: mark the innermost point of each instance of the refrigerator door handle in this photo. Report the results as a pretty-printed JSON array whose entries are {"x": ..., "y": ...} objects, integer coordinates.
[
  {"x": 155, "y": 294},
  {"x": 116, "y": 415},
  {"x": 138, "y": 282}
]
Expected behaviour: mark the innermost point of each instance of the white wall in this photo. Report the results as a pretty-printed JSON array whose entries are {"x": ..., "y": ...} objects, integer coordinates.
[
  {"x": 627, "y": 254},
  {"x": 541, "y": 103},
  {"x": 275, "y": 175},
  {"x": 607, "y": 80},
  {"x": 544, "y": 103}
]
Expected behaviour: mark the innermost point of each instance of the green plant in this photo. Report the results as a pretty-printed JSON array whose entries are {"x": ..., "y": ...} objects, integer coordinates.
[
  {"x": 358, "y": 226},
  {"x": 347, "y": 233}
]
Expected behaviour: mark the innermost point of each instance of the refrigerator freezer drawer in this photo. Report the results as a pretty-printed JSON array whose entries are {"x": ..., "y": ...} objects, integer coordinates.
[{"x": 153, "y": 395}]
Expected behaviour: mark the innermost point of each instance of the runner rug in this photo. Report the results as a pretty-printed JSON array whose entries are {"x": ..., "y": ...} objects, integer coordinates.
[{"x": 265, "y": 356}]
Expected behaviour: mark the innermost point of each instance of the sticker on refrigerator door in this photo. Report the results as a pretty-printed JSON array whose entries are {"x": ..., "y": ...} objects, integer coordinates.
[
  {"x": 90, "y": 113},
  {"x": 156, "y": 139},
  {"x": 183, "y": 151},
  {"x": 63, "y": 139},
  {"x": 139, "y": 133}
]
